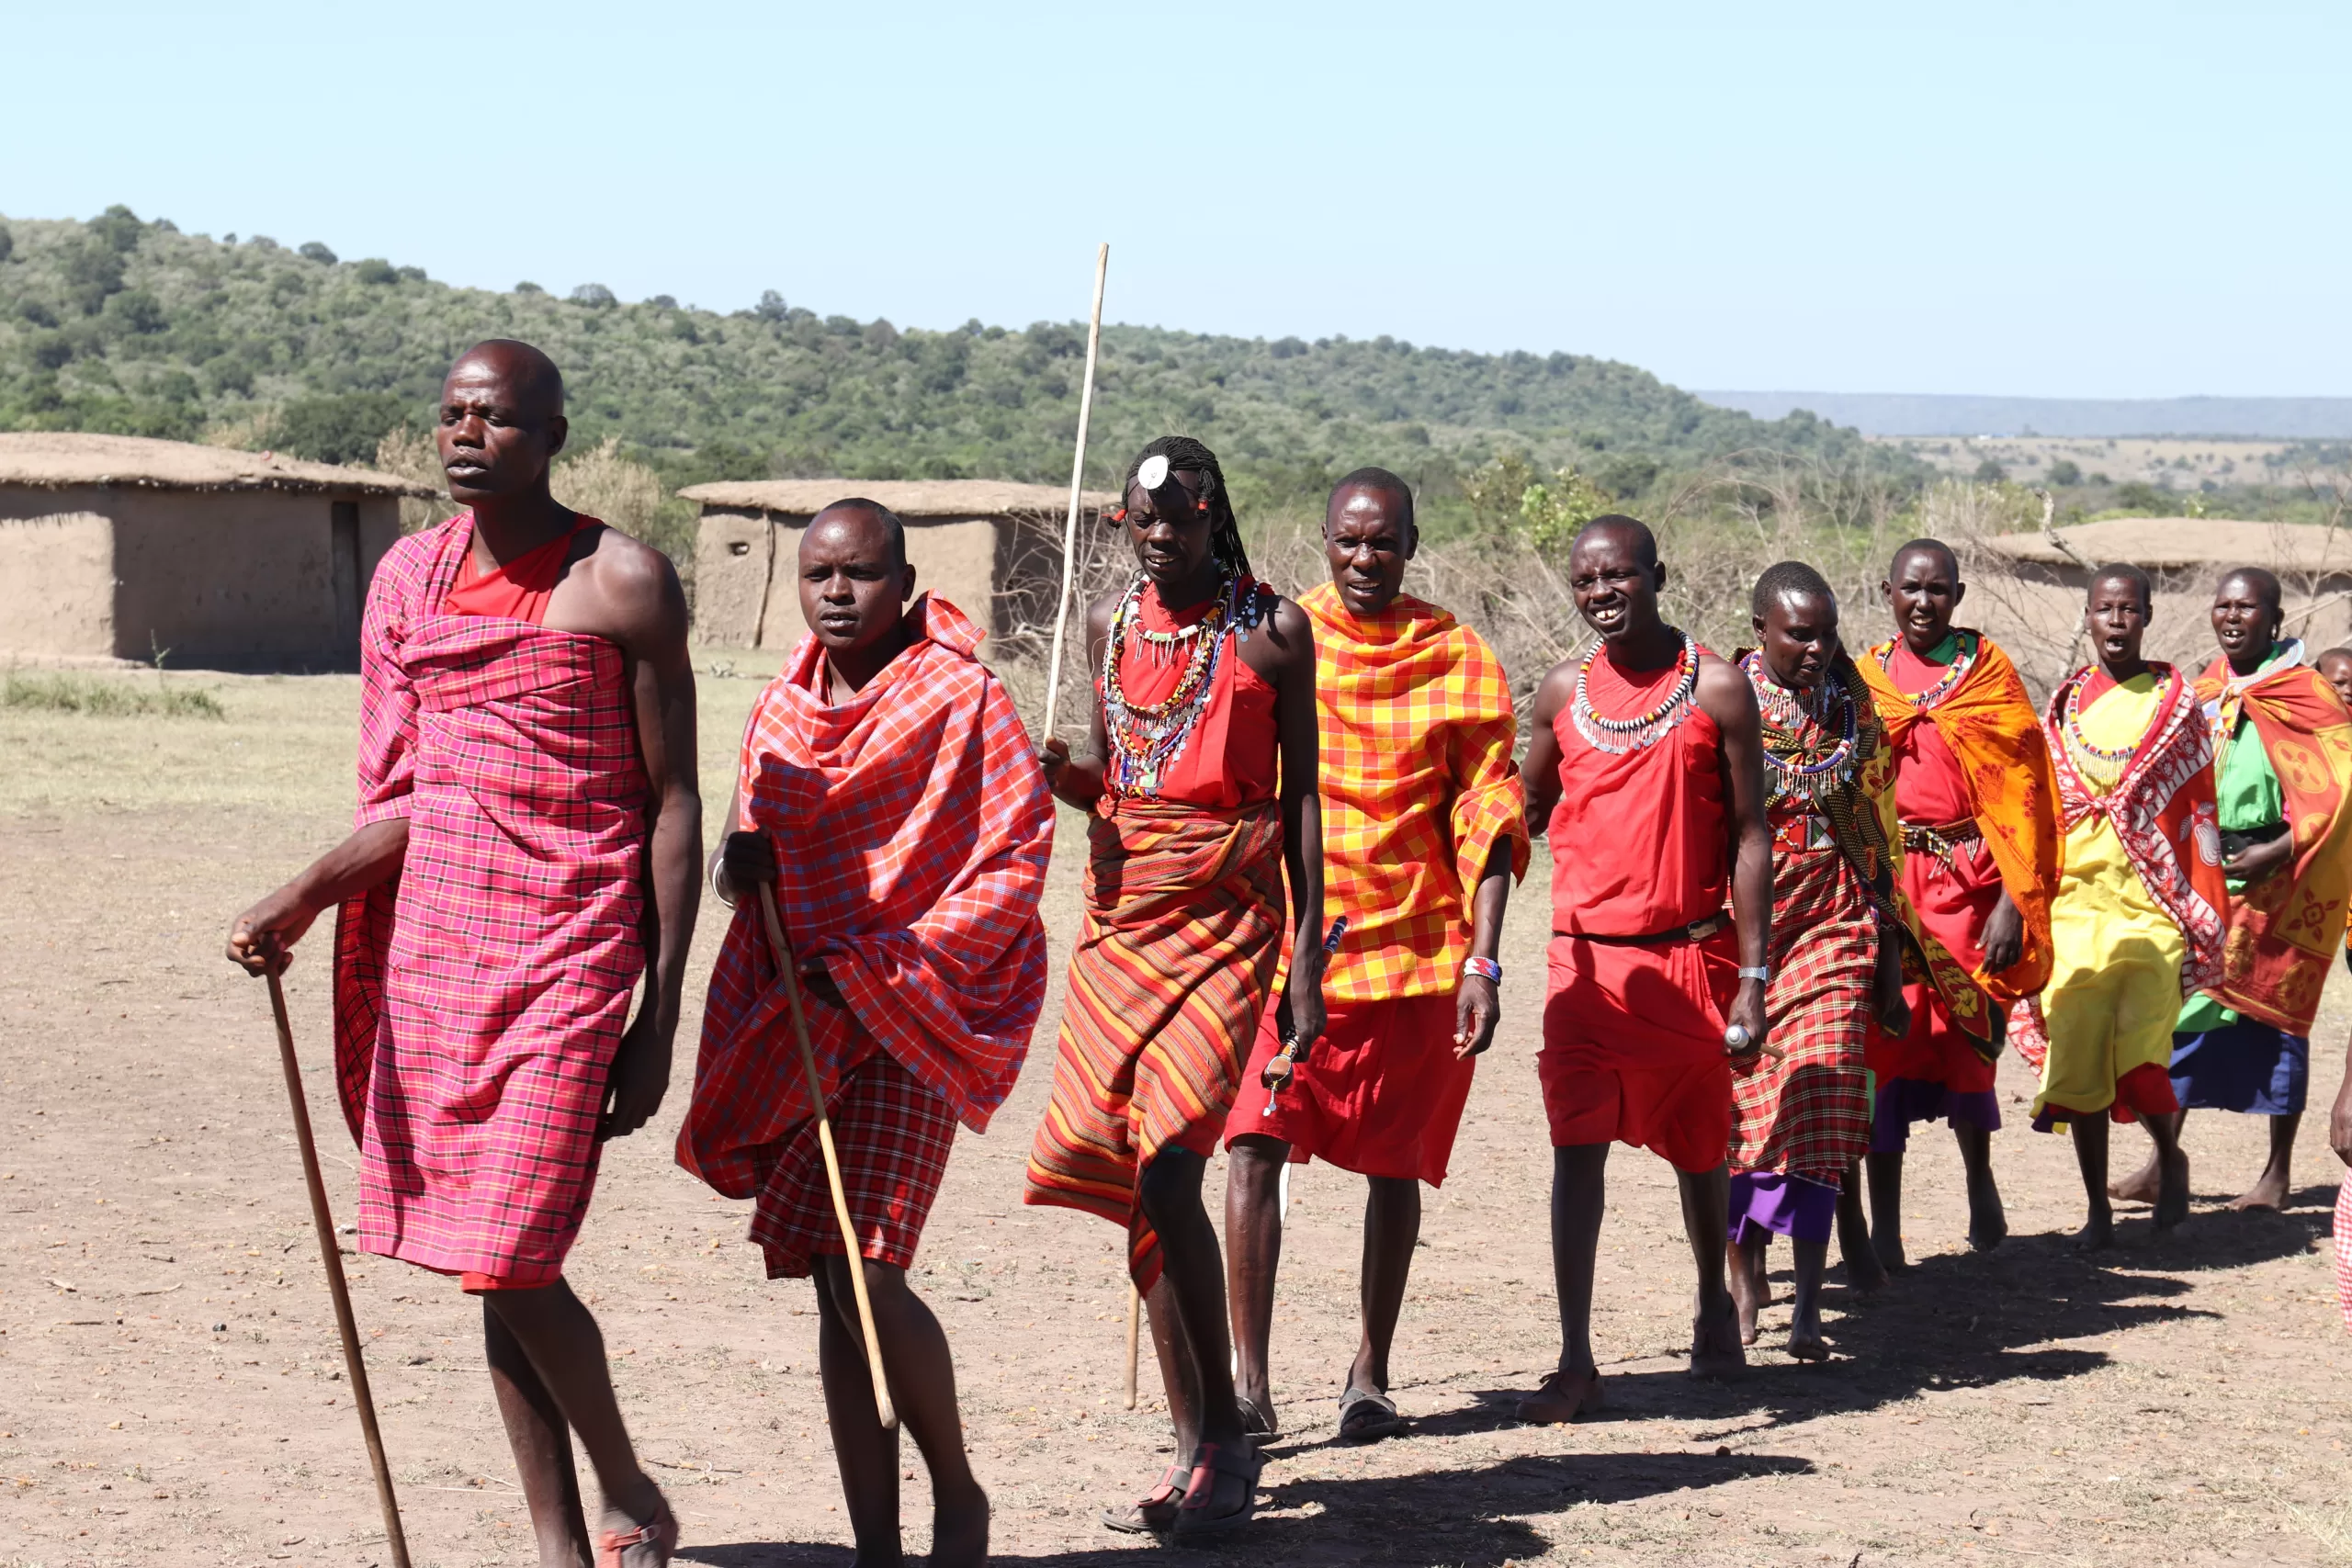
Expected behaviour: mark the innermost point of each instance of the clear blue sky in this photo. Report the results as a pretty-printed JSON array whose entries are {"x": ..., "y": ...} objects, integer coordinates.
[{"x": 2055, "y": 199}]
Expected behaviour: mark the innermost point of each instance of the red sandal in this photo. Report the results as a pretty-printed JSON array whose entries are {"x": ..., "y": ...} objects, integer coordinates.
[
  {"x": 660, "y": 1532},
  {"x": 1156, "y": 1511}
]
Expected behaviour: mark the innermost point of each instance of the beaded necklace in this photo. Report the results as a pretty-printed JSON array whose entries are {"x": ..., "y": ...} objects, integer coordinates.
[
  {"x": 1955, "y": 672},
  {"x": 1619, "y": 736},
  {"x": 1814, "y": 774},
  {"x": 2102, "y": 768},
  {"x": 1146, "y": 738}
]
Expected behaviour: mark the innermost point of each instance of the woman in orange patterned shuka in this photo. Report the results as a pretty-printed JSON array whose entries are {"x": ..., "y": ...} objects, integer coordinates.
[
  {"x": 1424, "y": 829},
  {"x": 1200, "y": 774}
]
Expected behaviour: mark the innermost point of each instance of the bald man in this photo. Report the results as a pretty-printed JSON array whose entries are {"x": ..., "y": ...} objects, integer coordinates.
[
  {"x": 527, "y": 853},
  {"x": 887, "y": 793},
  {"x": 2282, "y": 781},
  {"x": 1646, "y": 768}
]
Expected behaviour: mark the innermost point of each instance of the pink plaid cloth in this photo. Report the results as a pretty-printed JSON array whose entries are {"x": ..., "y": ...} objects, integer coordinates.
[
  {"x": 480, "y": 999},
  {"x": 892, "y": 1135},
  {"x": 911, "y": 828},
  {"x": 2344, "y": 1249}
]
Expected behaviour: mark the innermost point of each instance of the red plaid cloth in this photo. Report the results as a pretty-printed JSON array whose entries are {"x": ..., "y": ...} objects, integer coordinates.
[
  {"x": 892, "y": 1135},
  {"x": 2344, "y": 1249},
  {"x": 911, "y": 828},
  {"x": 480, "y": 997},
  {"x": 1809, "y": 1113}
]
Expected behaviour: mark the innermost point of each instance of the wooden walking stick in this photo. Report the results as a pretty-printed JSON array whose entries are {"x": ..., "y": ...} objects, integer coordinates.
[
  {"x": 1135, "y": 1336},
  {"x": 1077, "y": 476},
  {"x": 782, "y": 950},
  {"x": 331, "y": 1256}
]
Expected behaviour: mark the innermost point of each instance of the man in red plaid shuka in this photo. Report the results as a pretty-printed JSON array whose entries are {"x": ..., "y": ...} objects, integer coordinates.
[
  {"x": 888, "y": 792},
  {"x": 525, "y": 693}
]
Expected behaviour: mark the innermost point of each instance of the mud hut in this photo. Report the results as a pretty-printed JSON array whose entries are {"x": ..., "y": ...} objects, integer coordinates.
[
  {"x": 990, "y": 547},
  {"x": 119, "y": 548},
  {"x": 2028, "y": 589}
]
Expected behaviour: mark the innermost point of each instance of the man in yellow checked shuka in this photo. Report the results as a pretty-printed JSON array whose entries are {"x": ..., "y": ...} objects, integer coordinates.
[{"x": 2136, "y": 923}]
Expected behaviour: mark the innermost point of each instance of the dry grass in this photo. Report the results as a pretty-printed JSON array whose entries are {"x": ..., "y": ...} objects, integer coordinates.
[{"x": 107, "y": 697}]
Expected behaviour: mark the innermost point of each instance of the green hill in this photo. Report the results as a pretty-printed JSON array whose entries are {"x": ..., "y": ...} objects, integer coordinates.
[{"x": 122, "y": 325}]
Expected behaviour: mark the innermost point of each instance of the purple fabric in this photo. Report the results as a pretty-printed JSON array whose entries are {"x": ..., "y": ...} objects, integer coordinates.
[
  {"x": 1796, "y": 1207},
  {"x": 2246, "y": 1065},
  {"x": 1902, "y": 1101}
]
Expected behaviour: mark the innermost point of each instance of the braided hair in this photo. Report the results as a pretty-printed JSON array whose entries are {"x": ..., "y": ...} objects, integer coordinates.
[{"x": 1224, "y": 530}]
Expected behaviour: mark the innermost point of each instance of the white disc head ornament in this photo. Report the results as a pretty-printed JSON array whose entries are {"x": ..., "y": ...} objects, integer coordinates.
[{"x": 1154, "y": 472}]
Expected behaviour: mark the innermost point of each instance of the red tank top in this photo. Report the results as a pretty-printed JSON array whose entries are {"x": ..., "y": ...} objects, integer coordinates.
[
  {"x": 517, "y": 591},
  {"x": 1638, "y": 843},
  {"x": 1232, "y": 758}
]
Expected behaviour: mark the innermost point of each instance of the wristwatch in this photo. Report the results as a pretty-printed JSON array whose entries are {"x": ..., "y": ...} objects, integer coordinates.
[{"x": 1764, "y": 973}]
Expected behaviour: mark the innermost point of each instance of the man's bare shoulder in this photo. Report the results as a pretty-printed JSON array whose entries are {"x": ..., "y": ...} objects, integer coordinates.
[
  {"x": 1559, "y": 683},
  {"x": 1722, "y": 690},
  {"x": 637, "y": 585}
]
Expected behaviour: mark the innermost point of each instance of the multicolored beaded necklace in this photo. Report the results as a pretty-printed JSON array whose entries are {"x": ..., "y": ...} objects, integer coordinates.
[
  {"x": 1807, "y": 772},
  {"x": 1955, "y": 672},
  {"x": 1619, "y": 736},
  {"x": 2101, "y": 768},
  {"x": 1146, "y": 738}
]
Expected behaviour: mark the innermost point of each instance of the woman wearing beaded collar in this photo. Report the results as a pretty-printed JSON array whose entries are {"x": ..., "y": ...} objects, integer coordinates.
[
  {"x": 1644, "y": 766},
  {"x": 1803, "y": 1121},
  {"x": 1200, "y": 774},
  {"x": 2136, "y": 922}
]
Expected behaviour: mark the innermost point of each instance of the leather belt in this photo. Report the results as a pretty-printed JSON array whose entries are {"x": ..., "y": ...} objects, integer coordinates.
[{"x": 1697, "y": 930}]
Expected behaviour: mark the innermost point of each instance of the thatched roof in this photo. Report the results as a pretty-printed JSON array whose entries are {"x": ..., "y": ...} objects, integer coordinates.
[
  {"x": 2173, "y": 544},
  {"x": 57, "y": 460},
  {"x": 908, "y": 497}
]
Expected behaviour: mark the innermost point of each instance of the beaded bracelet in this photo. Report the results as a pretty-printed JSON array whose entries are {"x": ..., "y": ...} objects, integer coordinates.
[{"x": 1487, "y": 969}]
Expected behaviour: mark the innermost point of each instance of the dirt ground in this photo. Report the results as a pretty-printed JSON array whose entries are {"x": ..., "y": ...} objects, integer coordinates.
[{"x": 171, "y": 1388}]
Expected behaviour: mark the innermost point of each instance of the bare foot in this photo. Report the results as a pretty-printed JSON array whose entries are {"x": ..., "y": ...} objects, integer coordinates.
[
  {"x": 1988, "y": 1223},
  {"x": 2172, "y": 1196},
  {"x": 1864, "y": 1272},
  {"x": 1563, "y": 1397},
  {"x": 2140, "y": 1187},
  {"x": 1749, "y": 1292},
  {"x": 1715, "y": 1346},
  {"x": 959, "y": 1533},
  {"x": 1809, "y": 1347},
  {"x": 2098, "y": 1234},
  {"x": 1888, "y": 1245},
  {"x": 2269, "y": 1191}
]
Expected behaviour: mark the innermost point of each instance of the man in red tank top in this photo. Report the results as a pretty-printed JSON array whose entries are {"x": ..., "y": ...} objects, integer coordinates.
[
  {"x": 1646, "y": 767},
  {"x": 527, "y": 758}
]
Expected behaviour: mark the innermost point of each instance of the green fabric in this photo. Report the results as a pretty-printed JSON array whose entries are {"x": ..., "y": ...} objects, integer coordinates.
[
  {"x": 1945, "y": 651},
  {"x": 2245, "y": 790}
]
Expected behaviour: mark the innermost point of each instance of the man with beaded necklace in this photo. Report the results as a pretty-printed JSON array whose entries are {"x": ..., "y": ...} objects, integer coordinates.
[
  {"x": 1200, "y": 776},
  {"x": 2136, "y": 921},
  {"x": 1646, "y": 768}
]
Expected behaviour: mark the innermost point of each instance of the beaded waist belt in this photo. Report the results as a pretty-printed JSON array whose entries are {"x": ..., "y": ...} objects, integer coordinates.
[
  {"x": 1697, "y": 930},
  {"x": 1940, "y": 841}
]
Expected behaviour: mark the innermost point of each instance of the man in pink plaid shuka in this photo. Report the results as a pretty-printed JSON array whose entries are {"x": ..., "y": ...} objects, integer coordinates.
[{"x": 524, "y": 854}]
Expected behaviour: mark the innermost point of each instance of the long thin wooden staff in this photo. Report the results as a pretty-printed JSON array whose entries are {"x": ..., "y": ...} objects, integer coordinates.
[
  {"x": 331, "y": 1256},
  {"x": 782, "y": 950},
  {"x": 1076, "y": 478},
  {"x": 1134, "y": 1337}
]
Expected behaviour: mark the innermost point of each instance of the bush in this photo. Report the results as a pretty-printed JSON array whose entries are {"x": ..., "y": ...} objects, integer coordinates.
[
  {"x": 1989, "y": 473},
  {"x": 2142, "y": 498},
  {"x": 310, "y": 250},
  {"x": 375, "y": 269},
  {"x": 338, "y": 427},
  {"x": 595, "y": 296},
  {"x": 8, "y": 243}
]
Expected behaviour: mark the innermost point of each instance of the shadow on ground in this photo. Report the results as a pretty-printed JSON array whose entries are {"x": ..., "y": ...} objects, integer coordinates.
[{"x": 1474, "y": 1518}]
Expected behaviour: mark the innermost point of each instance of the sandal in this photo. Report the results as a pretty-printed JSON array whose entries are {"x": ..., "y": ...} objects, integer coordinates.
[
  {"x": 1157, "y": 1509},
  {"x": 1209, "y": 1462},
  {"x": 1562, "y": 1396},
  {"x": 1257, "y": 1421},
  {"x": 615, "y": 1548},
  {"x": 1366, "y": 1417}
]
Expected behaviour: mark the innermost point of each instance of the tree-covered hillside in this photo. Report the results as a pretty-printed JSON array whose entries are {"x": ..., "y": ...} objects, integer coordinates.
[{"x": 118, "y": 324}]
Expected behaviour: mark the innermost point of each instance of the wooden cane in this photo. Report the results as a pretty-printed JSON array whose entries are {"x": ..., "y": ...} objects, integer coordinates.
[
  {"x": 782, "y": 950},
  {"x": 331, "y": 1256},
  {"x": 1077, "y": 476},
  {"x": 1135, "y": 1338}
]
